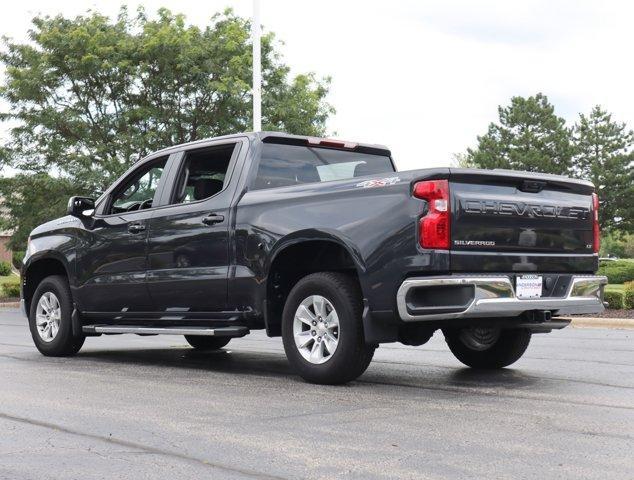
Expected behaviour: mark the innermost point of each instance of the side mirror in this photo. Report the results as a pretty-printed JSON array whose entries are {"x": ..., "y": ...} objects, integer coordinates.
[{"x": 80, "y": 206}]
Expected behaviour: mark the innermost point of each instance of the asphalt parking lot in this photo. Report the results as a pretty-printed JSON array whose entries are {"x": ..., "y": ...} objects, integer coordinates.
[{"x": 150, "y": 407}]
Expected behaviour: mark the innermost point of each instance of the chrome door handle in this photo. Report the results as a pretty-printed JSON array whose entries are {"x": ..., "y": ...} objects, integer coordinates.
[
  {"x": 213, "y": 218},
  {"x": 136, "y": 227}
]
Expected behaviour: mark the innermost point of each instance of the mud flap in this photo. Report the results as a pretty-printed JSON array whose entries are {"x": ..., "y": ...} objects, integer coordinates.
[{"x": 375, "y": 329}]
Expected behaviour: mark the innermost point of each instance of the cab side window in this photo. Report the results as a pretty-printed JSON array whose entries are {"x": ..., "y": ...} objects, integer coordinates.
[
  {"x": 203, "y": 174},
  {"x": 137, "y": 192}
]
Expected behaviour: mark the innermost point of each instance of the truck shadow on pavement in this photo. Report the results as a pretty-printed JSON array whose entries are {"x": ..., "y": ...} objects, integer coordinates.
[
  {"x": 491, "y": 378},
  {"x": 274, "y": 364},
  {"x": 220, "y": 361}
]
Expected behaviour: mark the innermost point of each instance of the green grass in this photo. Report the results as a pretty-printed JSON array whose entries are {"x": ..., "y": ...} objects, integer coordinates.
[
  {"x": 9, "y": 286},
  {"x": 615, "y": 287}
]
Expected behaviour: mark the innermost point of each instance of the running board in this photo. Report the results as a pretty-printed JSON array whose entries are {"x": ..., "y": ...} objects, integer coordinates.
[{"x": 141, "y": 330}]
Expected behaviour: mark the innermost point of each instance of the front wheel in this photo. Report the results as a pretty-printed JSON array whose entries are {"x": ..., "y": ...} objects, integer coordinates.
[
  {"x": 50, "y": 318},
  {"x": 322, "y": 329},
  {"x": 487, "y": 348}
]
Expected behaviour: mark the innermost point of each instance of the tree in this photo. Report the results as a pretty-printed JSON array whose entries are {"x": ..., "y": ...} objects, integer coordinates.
[
  {"x": 31, "y": 199},
  {"x": 617, "y": 244},
  {"x": 462, "y": 160},
  {"x": 88, "y": 96},
  {"x": 601, "y": 156},
  {"x": 529, "y": 136}
]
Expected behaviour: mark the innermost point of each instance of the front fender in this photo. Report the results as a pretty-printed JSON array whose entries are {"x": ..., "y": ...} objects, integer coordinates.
[{"x": 56, "y": 247}]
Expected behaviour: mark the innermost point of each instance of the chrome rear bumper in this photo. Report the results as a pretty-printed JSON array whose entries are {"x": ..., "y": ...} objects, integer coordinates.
[{"x": 494, "y": 296}]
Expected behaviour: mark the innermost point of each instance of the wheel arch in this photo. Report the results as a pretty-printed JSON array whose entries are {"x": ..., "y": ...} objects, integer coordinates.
[
  {"x": 37, "y": 268},
  {"x": 299, "y": 254}
]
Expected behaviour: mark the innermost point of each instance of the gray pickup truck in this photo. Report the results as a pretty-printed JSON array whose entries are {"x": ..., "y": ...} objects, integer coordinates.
[{"x": 321, "y": 242}]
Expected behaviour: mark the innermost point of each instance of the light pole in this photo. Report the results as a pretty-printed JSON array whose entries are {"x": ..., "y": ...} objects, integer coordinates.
[{"x": 257, "y": 67}]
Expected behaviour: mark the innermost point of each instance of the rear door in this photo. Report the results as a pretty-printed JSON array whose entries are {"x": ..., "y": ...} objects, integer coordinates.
[
  {"x": 188, "y": 244},
  {"x": 516, "y": 221}
]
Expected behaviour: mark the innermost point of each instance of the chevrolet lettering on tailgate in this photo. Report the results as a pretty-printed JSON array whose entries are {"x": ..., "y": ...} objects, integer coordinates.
[{"x": 519, "y": 209}]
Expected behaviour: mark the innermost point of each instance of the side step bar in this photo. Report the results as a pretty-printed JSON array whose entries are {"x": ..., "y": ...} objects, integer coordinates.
[{"x": 142, "y": 330}]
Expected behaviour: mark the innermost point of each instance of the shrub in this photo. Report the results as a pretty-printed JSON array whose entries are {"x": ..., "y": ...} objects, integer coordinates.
[
  {"x": 617, "y": 245},
  {"x": 628, "y": 295},
  {"x": 18, "y": 256},
  {"x": 11, "y": 288},
  {"x": 5, "y": 269},
  {"x": 614, "y": 299},
  {"x": 619, "y": 271}
]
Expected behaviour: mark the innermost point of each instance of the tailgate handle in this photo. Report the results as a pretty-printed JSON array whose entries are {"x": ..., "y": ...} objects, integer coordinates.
[{"x": 532, "y": 186}]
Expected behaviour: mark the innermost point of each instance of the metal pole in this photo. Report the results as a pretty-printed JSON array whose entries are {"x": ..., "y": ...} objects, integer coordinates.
[{"x": 257, "y": 68}]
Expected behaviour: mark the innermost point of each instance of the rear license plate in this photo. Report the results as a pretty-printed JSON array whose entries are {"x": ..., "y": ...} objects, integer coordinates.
[{"x": 528, "y": 286}]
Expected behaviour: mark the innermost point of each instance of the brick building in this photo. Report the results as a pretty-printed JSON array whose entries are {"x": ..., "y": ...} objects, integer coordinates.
[
  {"x": 5, "y": 252},
  {"x": 5, "y": 236}
]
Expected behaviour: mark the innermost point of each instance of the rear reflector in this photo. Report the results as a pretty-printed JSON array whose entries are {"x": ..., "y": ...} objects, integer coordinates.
[
  {"x": 596, "y": 232},
  {"x": 434, "y": 226}
]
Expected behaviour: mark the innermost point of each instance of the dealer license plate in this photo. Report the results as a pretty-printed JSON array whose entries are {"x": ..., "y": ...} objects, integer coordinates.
[{"x": 528, "y": 286}]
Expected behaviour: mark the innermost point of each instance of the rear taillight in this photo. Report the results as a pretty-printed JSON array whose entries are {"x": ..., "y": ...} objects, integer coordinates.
[
  {"x": 596, "y": 233},
  {"x": 434, "y": 225}
]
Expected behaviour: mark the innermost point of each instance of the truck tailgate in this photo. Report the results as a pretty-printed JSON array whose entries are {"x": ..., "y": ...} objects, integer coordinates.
[{"x": 519, "y": 221}]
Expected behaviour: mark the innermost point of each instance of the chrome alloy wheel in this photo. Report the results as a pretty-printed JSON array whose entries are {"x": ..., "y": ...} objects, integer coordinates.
[
  {"x": 478, "y": 338},
  {"x": 316, "y": 329},
  {"x": 48, "y": 316}
]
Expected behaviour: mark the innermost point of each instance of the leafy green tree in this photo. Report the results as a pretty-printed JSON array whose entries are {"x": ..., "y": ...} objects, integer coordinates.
[
  {"x": 462, "y": 160},
  {"x": 90, "y": 95},
  {"x": 529, "y": 136},
  {"x": 31, "y": 199},
  {"x": 617, "y": 244},
  {"x": 87, "y": 96},
  {"x": 601, "y": 156}
]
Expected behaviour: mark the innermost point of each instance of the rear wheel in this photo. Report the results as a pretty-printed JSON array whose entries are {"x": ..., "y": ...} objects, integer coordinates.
[
  {"x": 200, "y": 342},
  {"x": 322, "y": 329},
  {"x": 487, "y": 348},
  {"x": 50, "y": 318}
]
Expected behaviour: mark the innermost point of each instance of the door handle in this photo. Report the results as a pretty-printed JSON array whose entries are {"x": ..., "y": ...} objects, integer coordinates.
[
  {"x": 136, "y": 227},
  {"x": 213, "y": 218}
]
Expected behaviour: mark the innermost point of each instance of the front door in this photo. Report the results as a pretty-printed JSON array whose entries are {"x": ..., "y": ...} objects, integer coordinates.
[
  {"x": 112, "y": 261},
  {"x": 188, "y": 244}
]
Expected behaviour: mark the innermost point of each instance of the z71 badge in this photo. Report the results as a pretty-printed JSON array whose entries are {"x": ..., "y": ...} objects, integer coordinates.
[{"x": 379, "y": 182}]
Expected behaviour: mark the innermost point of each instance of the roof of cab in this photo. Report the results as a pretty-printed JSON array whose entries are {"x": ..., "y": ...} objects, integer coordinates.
[{"x": 260, "y": 136}]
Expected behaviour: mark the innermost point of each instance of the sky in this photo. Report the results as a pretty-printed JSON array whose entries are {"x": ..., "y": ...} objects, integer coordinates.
[{"x": 426, "y": 77}]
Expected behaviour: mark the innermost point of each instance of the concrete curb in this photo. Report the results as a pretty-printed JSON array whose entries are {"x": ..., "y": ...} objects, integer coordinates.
[
  {"x": 10, "y": 305},
  {"x": 596, "y": 322}
]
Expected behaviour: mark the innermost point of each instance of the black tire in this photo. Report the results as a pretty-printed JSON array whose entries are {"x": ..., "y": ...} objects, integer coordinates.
[
  {"x": 351, "y": 356},
  {"x": 64, "y": 344},
  {"x": 507, "y": 349},
  {"x": 201, "y": 342}
]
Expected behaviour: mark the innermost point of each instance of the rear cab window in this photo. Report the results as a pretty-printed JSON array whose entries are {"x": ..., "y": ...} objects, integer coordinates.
[
  {"x": 203, "y": 174},
  {"x": 283, "y": 165}
]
